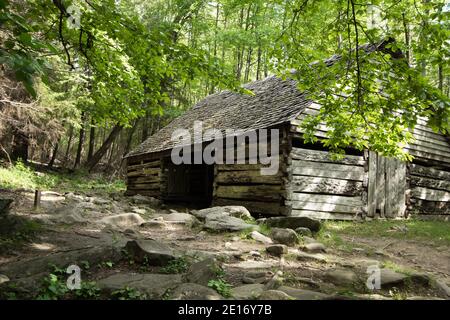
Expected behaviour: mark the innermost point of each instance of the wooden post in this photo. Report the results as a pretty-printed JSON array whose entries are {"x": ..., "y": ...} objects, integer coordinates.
[{"x": 37, "y": 199}]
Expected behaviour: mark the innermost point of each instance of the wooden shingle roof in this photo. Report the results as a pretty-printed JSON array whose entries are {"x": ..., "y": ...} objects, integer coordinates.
[{"x": 275, "y": 101}]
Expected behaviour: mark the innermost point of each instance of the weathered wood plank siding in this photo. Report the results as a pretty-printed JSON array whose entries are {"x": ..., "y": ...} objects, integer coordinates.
[
  {"x": 324, "y": 188},
  {"x": 430, "y": 190},
  {"x": 144, "y": 176},
  {"x": 245, "y": 185}
]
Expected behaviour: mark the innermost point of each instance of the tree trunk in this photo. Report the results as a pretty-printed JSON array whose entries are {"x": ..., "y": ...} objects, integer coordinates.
[
  {"x": 91, "y": 141},
  {"x": 80, "y": 142},
  {"x": 55, "y": 151},
  {"x": 130, "y": 137},
  {"x": 105, "y": 146},
  {"x": 69, "y": 144}
]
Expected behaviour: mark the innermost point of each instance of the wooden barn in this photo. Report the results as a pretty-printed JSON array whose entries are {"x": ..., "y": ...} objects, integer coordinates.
[{"x": 308, "y": 182}]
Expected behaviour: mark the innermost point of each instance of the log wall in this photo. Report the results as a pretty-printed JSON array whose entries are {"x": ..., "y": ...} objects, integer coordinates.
[
  {"x": 323, "y": 188},
  {"x": 144, "y": 177},
  {"x": 243, "y": 184},
  {"x": 430, "y": 191}
]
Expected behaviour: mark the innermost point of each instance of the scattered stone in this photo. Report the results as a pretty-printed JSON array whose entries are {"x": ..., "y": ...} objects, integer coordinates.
[
  {"x": 203, "y": 271},
  {"x": 154, "y": 223},
  {"x": 260, "y": 237},
  {"x": 123, "y": 221},
  {"x": 255, "y": 254},
  {"x": 235, "y": 239},
  {"x": 133, "y": 234},
  {"x": 151, "y": 251},
  {"x": 443, "y": 287},
  {"x": 277, "y": 249},
  {"x": 389, "y": 278},
  {"x": 314, "y": 247},
  {"x": 140, "y": 199},
  {"x": 226, "y": 223},
  {"x": 294, "y": 223},
  {"x": 233, "y": 211},
  {"x": 303, "y": 231},
  {"x": 3, "y": 278},
  {"x": 100, "y": 201},
  {"x": 184, "y": 218},
  {"x": 308, "y": 281},
  {"x": 252, "y": 264},
  {"x": 153, "y": 285},
  {"x": 342, "y": 277},
  {"x": 254, "y": 276},
  {"x": 303, "y": 294},
  {"x": 247, "y": 292},
  {"x": 194, "y": 291},
  {"x": 284, "y": 236},
  {"x": 303, "y": 256},
  {"x": 274, "y": 295}
]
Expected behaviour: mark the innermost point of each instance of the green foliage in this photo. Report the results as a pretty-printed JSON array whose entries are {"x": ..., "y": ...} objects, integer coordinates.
[
  {"x": 21, "y": 176},
  {"x": 54, "y": 288},
  {"x": 436, "y": 232},
  {"x": 221, "y": 286},
  {"x": 179, "y": 265},
  {"x": 128, "y": 293}
]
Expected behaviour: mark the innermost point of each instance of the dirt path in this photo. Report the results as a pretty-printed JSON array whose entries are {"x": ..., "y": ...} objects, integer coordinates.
[{"x": 72, "y": 222}]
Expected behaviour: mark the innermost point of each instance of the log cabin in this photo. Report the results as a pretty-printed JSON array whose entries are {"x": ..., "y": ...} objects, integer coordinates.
[{"x": 308, "y": 181}]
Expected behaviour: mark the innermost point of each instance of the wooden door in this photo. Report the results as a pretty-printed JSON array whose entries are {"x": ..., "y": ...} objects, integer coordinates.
[{"x": 386, "y": 187}]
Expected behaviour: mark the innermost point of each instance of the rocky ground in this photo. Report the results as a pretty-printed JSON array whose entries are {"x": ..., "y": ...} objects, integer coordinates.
[{"x": 137, "y": 248}]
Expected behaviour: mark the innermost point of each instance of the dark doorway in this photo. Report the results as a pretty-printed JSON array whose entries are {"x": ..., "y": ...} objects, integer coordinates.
[{"x": 189, "y": 183}]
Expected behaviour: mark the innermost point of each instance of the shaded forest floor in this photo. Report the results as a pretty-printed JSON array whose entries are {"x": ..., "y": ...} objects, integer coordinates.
[{"x": 70, "y": 228}]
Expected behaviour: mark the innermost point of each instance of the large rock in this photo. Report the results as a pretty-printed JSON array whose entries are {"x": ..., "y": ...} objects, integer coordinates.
[
  {"x": 203, "y": 271},
  {"x": 389, "y": 278},
  {"x": 342, "y": 277},
  {"x": 247, "y": 292},
  {"x": 314, "y": 247},
  {"x": 155, "y": 286},
  {"x": 284, "y": 236},
  {"x": 275, "y": 295},
  {"x": 226, "y": 223},
  {"x": 277, "y": 249},
  {"x": 260, "y": 237},
  {"x": 42, "y": 264},
  {"x": 3, "y": 278},
  {"x": 302, "y": 294},
  {"x": 294, "y": 223},
  {"x": 123, "y": 221},
  {"x": 302, "y": 231},
  {"x": 194, "y": 291},
  {"x": 182, "y": 218},
  {"x": 151, "y": 251},
  {"x": 233, "y": 211},
  {"x": 303, "y": 256},
  {"x": 443, "y": 287}
]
